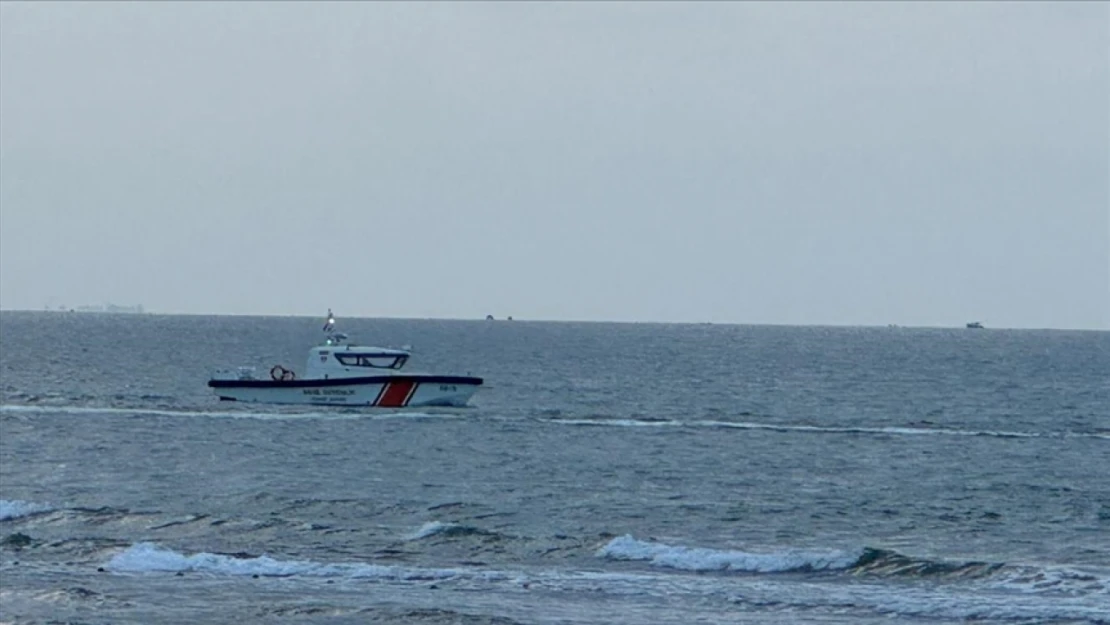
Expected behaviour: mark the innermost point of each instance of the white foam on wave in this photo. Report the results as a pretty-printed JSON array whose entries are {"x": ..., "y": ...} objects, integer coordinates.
[
  {"x": 628, "y": 423},
  {"x": 702, "y": 559},
  {"x": 431, "y": 528},
  {"x": 900, "y": 431},
  {"x": 16, "y": 508},
  {"x": 1024, "y": 578},
  {"x": 354, "y": 412},
  {"x": 820, "y": 429},
  {"x": 963, "y": 601},
  {"x": 151, "y": 558},
  {"x": 340, "y": 412},
  {"x": 1053, "y": 580}
]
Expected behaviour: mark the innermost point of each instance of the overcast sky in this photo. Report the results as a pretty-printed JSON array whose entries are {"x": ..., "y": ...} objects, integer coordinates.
[{"x": 810, "y": 163}]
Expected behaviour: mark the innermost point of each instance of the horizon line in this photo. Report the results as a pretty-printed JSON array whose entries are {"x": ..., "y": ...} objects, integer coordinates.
[{"x": 511, "y": 319}]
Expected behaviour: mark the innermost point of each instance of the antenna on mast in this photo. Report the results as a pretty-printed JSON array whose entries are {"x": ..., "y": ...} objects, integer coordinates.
[{"x": 334, "y": 338}]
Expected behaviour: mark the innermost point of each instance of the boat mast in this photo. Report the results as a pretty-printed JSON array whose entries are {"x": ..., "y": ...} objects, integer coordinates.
[{"x": 333, "y": 337}]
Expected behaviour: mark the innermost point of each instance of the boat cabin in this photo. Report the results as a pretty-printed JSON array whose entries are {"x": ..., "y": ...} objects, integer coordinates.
[{"x": 353, "y": 361}]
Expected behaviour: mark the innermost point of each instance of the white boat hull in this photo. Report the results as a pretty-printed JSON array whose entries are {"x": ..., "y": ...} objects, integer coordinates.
[{"x": 395, "y": 391}]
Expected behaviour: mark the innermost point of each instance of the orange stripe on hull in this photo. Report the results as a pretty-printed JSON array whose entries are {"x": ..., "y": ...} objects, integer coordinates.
[{"x": 396, "y": 394}]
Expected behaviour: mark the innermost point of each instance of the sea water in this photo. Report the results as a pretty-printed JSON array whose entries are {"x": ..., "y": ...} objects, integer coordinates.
[{"x": 606, "y": 473}]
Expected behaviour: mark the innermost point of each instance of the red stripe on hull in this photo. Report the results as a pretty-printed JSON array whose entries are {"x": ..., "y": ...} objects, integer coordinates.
[{"x": 396, "y": 394}]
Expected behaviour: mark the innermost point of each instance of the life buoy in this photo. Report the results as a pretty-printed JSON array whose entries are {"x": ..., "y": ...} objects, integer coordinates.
[{"x": 278, "y": 372}]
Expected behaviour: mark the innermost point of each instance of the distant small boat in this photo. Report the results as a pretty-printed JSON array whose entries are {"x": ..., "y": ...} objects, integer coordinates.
[{"x": 975, "y": 325}]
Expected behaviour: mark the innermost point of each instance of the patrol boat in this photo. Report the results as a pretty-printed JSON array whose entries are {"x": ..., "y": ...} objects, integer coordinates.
[{"x": 346, "y": 374}]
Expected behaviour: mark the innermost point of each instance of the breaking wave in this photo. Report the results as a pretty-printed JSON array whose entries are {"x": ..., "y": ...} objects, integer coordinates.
[
  {"x": 437, "y": 528},
  {"x": 862, "y": 562},
  {"x": 148, "y": 557},
  {"x": 702, "y": 559},
  {"x": 1007, "y": 598},
  {"x": 14, "y": 509}
]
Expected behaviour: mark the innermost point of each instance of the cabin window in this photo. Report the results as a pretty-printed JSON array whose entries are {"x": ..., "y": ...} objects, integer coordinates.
[{"x": 380, "y": 361}]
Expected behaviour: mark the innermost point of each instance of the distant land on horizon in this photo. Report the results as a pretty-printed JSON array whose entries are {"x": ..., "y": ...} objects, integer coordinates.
[{"x": 98, "y": 308}]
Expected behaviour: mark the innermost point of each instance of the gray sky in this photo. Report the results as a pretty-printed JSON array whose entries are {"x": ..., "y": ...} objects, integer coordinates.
[{"x": 816, "y": 163}]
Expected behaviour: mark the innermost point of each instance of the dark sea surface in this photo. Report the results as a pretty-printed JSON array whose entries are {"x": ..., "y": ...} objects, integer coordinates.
[{"x": 606, "y": 473}]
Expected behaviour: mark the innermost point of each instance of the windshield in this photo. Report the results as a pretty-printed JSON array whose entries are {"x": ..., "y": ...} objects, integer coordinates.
[{"x": 377, "y": 361}]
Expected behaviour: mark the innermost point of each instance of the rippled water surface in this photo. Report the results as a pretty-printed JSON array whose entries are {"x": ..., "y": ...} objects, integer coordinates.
[{"x": 607, "y": 473}]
